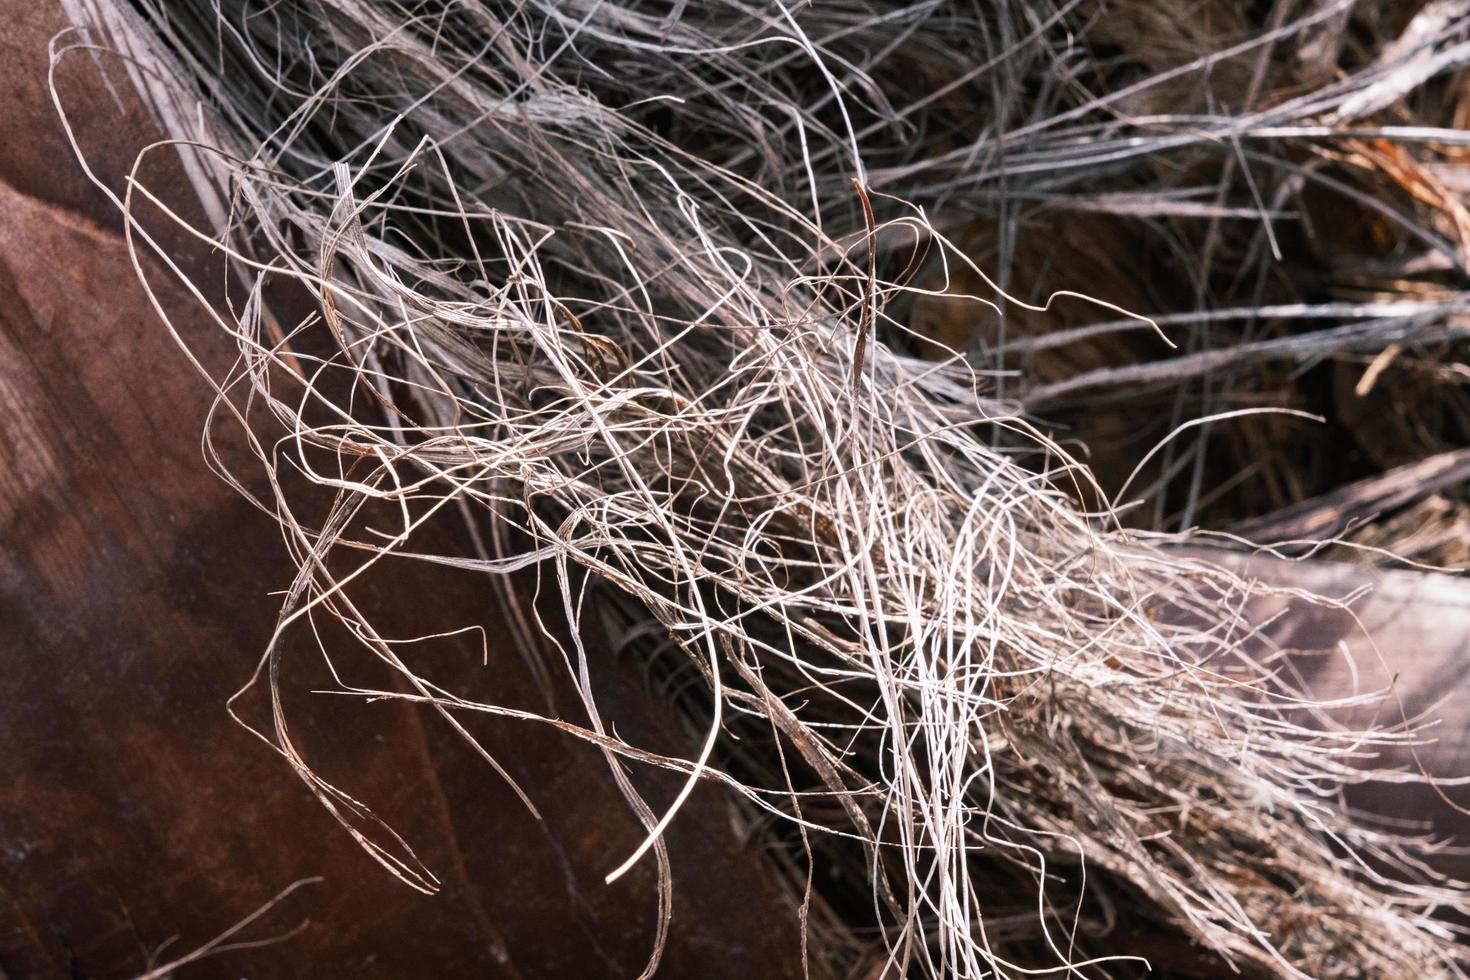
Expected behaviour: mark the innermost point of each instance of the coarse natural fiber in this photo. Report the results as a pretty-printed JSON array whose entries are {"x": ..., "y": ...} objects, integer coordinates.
[{"x": 636, "y": 289}]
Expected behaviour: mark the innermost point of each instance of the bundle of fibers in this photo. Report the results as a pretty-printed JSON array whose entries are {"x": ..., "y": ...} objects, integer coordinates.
[{"x": 623, "y": 288}]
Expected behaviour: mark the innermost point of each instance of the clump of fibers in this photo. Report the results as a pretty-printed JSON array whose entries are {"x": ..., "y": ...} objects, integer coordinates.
[{"x": 627, "y": 286}]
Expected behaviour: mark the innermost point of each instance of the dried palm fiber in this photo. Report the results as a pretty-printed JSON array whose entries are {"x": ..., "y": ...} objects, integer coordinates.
[
  {"x": 1318, "y": 264},
  {"x": 629, "y": 287}
]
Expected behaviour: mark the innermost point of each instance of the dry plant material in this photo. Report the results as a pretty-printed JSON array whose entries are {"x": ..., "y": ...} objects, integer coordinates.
[{"x": 595, "y": 277}]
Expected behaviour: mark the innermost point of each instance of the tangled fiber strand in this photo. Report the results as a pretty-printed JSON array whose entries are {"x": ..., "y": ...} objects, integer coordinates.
[{"x": 628, "y": 286}]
